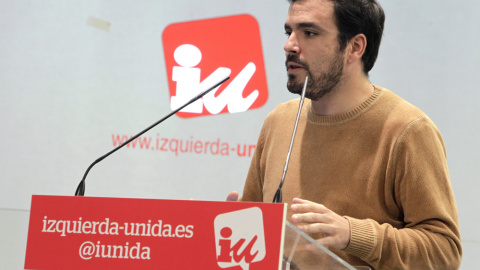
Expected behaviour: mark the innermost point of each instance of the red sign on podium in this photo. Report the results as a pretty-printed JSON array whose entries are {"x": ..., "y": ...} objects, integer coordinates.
[{"x": 118, "y": 233}]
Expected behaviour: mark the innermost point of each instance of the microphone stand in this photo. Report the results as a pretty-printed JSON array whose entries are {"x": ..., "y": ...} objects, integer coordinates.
[
  {"x": 81, "y": 186},
  {"x": 278, "y": 195}
]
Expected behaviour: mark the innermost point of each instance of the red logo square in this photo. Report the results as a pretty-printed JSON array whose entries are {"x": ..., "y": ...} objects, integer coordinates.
[{"x": 198, "y": 54}]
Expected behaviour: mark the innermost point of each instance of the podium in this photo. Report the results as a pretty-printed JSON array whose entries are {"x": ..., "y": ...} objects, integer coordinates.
[
  {"x": 68, "y": 232},
  {"x": 301, "y": 252}
]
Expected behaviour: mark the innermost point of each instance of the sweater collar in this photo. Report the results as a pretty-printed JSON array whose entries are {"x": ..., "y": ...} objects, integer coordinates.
[{"x": 345, "y": 116}]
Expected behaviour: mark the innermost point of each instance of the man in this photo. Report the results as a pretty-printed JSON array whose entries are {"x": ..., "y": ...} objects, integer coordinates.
[{"x": 369, "y": 167}]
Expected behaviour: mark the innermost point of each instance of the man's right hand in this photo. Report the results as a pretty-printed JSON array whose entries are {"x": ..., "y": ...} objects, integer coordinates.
[{"x": 232, "y": 196}]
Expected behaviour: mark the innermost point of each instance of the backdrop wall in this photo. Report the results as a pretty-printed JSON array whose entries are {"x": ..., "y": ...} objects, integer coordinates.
[{"x": 76, "y": 76}]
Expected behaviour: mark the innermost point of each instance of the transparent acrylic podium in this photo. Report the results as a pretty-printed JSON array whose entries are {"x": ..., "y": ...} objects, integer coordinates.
[{"x": 301, "y": 252}]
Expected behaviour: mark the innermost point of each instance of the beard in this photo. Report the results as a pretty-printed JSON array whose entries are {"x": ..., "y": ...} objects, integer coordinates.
[{"x": 317, "y": 86}]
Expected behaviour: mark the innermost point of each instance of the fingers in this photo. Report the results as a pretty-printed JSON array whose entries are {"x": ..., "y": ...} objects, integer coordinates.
[
  {"x": 316, "y": 223},
  {"x": 323, "y": 228},
  {"x": 232, "y": 196},
  {"x": 334, "y": 228},
  {"x": 314, "y": 218},
  {"x": 304, "y": 206}
]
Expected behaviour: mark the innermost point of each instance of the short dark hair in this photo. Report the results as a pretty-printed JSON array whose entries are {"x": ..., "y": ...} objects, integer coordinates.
[{"x": 360, "y": 17}]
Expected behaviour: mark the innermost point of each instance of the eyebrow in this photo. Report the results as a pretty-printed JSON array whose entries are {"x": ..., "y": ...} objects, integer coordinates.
[{"x": 304, "y": 25}]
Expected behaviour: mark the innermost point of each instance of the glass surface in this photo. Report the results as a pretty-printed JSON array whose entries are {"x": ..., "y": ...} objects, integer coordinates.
[{"x": 301, "y": 252}]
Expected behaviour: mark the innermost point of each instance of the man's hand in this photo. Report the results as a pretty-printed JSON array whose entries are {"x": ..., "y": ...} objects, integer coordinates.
[
  {"x": 319, "y": 219},
  {"x": 232, "y": 196}
]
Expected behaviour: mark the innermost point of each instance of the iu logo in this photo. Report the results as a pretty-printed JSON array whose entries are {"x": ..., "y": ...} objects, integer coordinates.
[
  {"x": 198, "y": 54},
  {"x": 240, "y": 238}
]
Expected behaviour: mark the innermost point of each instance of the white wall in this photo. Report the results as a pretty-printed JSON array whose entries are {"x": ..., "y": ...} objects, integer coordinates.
[{"x": 66, "y": 87}]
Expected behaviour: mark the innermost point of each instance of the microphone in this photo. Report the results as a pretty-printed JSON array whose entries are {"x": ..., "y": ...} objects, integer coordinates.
[
  {"x": 81, "y": 186},
  {"x": 278, "y": 195}
]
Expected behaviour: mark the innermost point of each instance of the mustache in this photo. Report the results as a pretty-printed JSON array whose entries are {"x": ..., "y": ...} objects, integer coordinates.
[{"x": 295, "y": 59}]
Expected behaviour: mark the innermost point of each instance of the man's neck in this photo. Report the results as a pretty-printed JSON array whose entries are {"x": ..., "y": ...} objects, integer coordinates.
[{"x": 346, "y": 96}]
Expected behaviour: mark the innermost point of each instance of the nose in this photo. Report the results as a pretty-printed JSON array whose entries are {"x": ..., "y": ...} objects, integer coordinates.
[{"x": 291, "y": 46}]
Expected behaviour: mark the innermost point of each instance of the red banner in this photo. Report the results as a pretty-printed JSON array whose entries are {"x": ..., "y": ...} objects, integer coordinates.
[{"x": 119, "y": 233}]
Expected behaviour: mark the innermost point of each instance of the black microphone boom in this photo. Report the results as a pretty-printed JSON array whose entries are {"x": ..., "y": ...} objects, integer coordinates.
[
  {"x": 81, "y": 186},
  {"x": 277, "y": 198}
]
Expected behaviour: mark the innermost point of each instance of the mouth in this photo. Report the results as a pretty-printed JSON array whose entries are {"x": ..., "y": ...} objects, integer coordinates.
[{"x": 292, "y": 67}]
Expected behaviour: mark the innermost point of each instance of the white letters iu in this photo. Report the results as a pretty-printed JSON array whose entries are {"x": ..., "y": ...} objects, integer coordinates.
[{"x": 189, "y": 84}]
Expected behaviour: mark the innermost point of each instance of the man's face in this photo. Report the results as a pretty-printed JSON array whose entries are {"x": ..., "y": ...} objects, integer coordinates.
[{"x": 312, "y": 48}]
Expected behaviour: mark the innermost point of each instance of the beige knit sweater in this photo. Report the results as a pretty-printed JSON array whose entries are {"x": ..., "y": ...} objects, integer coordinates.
[{"x": 381, "y": 165}]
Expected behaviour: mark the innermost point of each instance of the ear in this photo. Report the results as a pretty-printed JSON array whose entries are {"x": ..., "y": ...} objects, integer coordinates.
[{"x": 356, "y": 47}]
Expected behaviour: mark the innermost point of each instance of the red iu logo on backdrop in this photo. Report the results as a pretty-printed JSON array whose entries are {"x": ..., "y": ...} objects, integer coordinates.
[{"x": 198, "y": 54}]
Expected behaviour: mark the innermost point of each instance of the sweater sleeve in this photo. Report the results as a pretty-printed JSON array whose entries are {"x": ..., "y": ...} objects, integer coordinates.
[
  {"x": 429, "y": 237},
  {"x": 253, "y": 189}
]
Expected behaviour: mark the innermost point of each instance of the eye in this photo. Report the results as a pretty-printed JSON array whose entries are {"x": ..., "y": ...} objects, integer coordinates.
[
  {"x": 309, "y": 33},
  {"x": 288, "y": 33}
]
